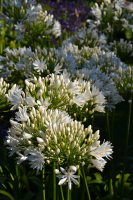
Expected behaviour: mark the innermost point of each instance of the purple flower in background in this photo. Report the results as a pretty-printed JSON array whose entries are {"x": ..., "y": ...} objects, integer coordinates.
[
  {"x": 3, "y": 133},
  {"x": 71, "y": 15}
]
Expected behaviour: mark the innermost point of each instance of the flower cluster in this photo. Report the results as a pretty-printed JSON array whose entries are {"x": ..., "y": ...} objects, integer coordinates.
[
  {"x": 37, "y": 23},
  {"x": 46, "y": 136},
  {"x": 85, "y": 65},
  {"x": 122, "y": 49},
  {"x": 30, "y": 20},
  {"x": 87, "y": 37},
  {"x": 15, "y": 10},
  {"x": 119, "y": 72},
  {"x": 23, "y": 62},
  {"x": 79, "y": 98},
  {"x": 112, "y": 18}
]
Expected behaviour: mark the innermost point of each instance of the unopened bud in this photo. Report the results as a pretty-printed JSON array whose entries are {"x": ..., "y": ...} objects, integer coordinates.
[
  {"x": 73, "y": 144},
  {"x": 57, "y": 151},
  {"x": 73, "y": 168},
  {"x": 56, "y": 171},
  {"x": 55, "y": 139}
]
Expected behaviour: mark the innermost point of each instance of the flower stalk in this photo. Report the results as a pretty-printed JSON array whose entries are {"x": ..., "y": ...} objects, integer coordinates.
[
  {"x": 126, "y": 146},
  {"x": 54, "y": 182},
  {"x": 87, "y": 189},
  {"x": 43, "y": 182}
]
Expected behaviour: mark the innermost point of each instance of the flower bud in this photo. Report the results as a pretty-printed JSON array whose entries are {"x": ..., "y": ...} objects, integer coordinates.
[
  {"x": 55, "y": 139},
  {"x": 39, "y": 93},
  {"x": 48, "y": 161},
  {"x": 56, "y": 171},
  {"x": 27, "y": 135},
  {"x": 73, "y": 144},
  {"x": 34, "y": 111},
  {"x": 41, "y": 109},
  {"x": 73, "y": 168},
  {"x": 78, "y": 149},
  {"x": 57, "y": 151},
  {"x": 40, "y": 140},
  {"x": 27, "y": 83},
  {"x": 68, "y": 153},
  {"x": 57, "y": 84},
  {"x": 128, "y": 85},
  {"x": 42, "y": 134}
]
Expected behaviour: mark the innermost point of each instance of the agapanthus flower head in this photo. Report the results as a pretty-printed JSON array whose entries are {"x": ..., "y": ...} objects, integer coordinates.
[
  {"x": 112, "y": 18},
  {"x": 29, "y": 63},
  {"x": 85, "y": 65},
  {"x": 122, "y": 49},
  {"x": 119, "y": 72},
  {"x": 51, "y": 135},
  {"x": 31, "y": 22},
  {"x": 11, "y": 6},
  {"x": 86, "y": 37},
  {"x": 38, "y": 24}
]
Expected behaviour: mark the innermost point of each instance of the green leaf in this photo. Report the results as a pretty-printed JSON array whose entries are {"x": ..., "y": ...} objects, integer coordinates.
[
  {"x": 107, "y": 197},
  {"x": 2, "y": 179},
  {"x": 88, "y": 178},
  {"x": 98, "y": 176},
  {"x": 39, "y": 195},
  {"x": 24, "y": 178},
  {"x": 35, "y": 180},
  {"x": 125, "y": 199},
  {"x": 29, "y": 196},
  {"x": 95, "y": 181},
  {"x": 128, "y": 33},
  {"x": 7, "y": 194}
]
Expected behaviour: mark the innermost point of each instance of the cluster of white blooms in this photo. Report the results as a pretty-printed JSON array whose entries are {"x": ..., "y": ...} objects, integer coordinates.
[
  {"x": 30, "y": 21},
  {"x": 45, "y": 136},
  {"x": 80, "y": 64},
  {"x": 15, "y": 10},
  {"x": 112, "y": 17},
  {"x": 79, "y": 98},
  {"x": 37, "y": 23},
  {"x": 28, "y": 62},
  {"x": 122, "y": 48},
  {"x": 119, "y": 72},
  {"x": 3, "y": 89},
  {"x": 87, "y": 37}
]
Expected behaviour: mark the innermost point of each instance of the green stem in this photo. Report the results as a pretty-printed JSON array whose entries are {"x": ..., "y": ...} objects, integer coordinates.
[
  {"x": 126, "y": 146},
  {"x": 68, "y": 193},
  {"x": 54, "y": 182},
  {"x": 82, "y": 197},
  {"x": 107, "y": 121},
  {"x": 43, "y": 182},
  {"x": 109, "y": 138},
  {"x": 62, "y": 196},
  {"x": 112, "y": 166},
  {"x": 58, "y": 198},
  {"x": 87, "y": 189},
  {"x": 93, "y": 121},
  {"x": 112, "y": 124}
]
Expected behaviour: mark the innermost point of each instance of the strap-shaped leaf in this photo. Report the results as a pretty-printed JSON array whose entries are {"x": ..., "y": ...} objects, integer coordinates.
[{"x": 7, "y": 194}]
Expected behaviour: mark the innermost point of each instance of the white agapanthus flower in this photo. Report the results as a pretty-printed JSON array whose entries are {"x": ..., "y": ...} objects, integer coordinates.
[
  {"x": 22, "y": 114},
  {"x": 40, "y": 66},
  {"x": 37, "y": 159},
  {"x": 68, "y": 177}
]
